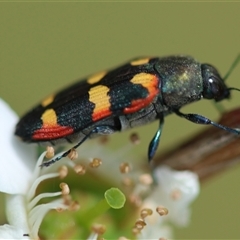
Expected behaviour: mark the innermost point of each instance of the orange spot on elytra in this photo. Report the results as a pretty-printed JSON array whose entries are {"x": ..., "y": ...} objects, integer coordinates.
[
  {"x": 50, "y": 128},
  {"x": 151, "y": 83},
  {"x": 99, "y": 96}
]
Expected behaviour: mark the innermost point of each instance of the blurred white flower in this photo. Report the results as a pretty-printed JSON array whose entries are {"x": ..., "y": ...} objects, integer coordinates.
[
  {"x": 20, "y": 176},
  {"x": 170, "y": 202}
]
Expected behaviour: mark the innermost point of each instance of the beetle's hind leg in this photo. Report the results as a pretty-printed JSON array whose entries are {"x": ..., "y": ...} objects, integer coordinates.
[{"x": 103, "y": 130}]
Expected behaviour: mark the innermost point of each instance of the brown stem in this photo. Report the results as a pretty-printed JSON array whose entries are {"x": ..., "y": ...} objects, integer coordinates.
[{"x": 208, "y": 152}]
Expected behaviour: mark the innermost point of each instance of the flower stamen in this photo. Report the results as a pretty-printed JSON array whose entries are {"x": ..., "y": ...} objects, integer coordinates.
[
  {"x": 146, "y": 212},
  {"x": 80, "y": 169},
  {"x": 36, "y": 183},
  {"x": 162, "y": 211},
  {"x": 49, "y": 152},
  {"x": 65, "y": 188},
  {"x": 95, "y": 163},
  {"x": 62, "y": 171}
]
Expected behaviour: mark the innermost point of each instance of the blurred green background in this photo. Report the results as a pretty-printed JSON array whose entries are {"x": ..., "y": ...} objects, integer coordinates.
[{"x": 46, "y": 46}]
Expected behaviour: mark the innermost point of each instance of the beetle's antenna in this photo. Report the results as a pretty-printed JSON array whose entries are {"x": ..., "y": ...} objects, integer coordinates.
[
  {"x": 219, "y": 107},
  {"x": 232, "y": 88},
  {"x": 235, "y": 63}
]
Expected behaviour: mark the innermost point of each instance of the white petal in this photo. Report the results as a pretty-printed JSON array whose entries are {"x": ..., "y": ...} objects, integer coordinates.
[
  {"x": 185, "y": 181},
  {"x": 16, "y": 212},
  {"x": 17, "y": 158},
  {"x": 155, "y": 232},
  {"x": 93, "y": 236},
  {"x": 185, "y": 184},
  {"x": 11, "y": 232}
]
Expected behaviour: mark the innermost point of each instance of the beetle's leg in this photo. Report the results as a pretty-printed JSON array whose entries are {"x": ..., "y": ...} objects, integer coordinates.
[
  {"x": 199, "y": 119},
  {"x": 152, "y": 148},
  {"x": 98, "y": 129}
]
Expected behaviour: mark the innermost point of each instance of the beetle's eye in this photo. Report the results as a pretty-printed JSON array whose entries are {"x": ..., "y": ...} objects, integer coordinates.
[
  {"x": 213, "y": 85},
  {"x": 213, "y": 89}
]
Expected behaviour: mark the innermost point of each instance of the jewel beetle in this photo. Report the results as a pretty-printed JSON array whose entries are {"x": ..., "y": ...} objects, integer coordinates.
[{"x": 136, "y": 93}]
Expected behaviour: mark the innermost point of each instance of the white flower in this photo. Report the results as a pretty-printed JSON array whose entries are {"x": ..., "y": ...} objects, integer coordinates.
[
  {"x": 174, "y": 190},
  {"x": 174, "y": 193},
  {"x": 20, "y": 175}
]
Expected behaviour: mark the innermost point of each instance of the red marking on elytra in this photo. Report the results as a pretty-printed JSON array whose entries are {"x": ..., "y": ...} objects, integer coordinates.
[
  {"x": 100, "y": 114},
  {"x": 138, "y": 104},
  {"x": 53, "y": 132}
]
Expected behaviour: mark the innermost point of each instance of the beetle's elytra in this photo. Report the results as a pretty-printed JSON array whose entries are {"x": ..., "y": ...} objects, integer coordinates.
[{"x": 133, "y": 94}]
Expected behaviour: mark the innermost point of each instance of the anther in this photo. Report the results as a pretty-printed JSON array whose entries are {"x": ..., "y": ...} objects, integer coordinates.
[
  {"x": 79, "y": 169},
  {"x": 63, "y": 171},
  {"x": 104, "y": 139},
  {"x": 49, "y": 152},
  {"x": 146, "y": 212},
  {"x": 145, "y": 179},
  {"x": 74, "y": 206},
  {"x": 176, "y": 194},
  {"x": 95, "y": 163},
  {"x": 73, "y": 154},
  {"x": 162, "y": 211},
  {"x": 134, "y": 138},
  {"x": 124, "y": 167},
  {"x": 127, "y": 181},
  {"x": 140, "y": 224},
  {"x": 99, "y": 229},
  {"x": 65, "y": 188}
]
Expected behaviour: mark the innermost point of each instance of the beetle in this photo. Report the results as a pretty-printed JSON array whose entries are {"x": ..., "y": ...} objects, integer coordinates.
[{"x": 139, "y": 92}]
